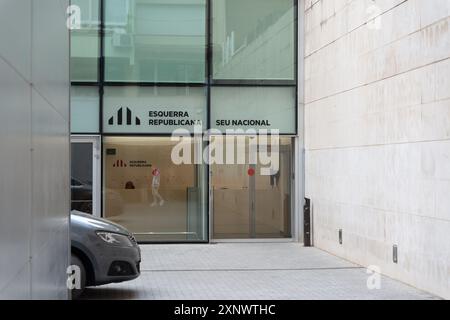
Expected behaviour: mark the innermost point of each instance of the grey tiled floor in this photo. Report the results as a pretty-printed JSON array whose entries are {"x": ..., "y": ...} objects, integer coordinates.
[{"x": 249, "y": 271}]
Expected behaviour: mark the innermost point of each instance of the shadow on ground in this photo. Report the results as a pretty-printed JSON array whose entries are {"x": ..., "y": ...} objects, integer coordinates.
[{"x": 99, "y": 293}]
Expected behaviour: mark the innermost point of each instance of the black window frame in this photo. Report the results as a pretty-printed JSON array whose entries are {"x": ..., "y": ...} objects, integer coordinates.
[{"x": 208, "y": 84}]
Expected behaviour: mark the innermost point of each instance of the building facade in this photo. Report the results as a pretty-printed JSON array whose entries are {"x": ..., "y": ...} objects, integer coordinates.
[{"x": 142, "y": 69}]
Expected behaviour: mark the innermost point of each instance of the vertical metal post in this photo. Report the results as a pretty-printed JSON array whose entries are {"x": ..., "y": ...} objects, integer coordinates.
[
  {"x": 252, "y": 206},
  {"x": 307, "y": 223}
]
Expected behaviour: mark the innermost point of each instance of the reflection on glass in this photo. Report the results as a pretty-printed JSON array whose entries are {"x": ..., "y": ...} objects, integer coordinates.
[
  {"x": 272, "y": 197},
  {"x": 84, "y": 109},
  {"x": 155, "y": 41},
  {"x": 85, "y": 42},
  {"x": 248, "y": 204},
  {"x": 147, "y": 193},
  {"x": 253, "y": 39},
  {"x": 81, "y": 180}
]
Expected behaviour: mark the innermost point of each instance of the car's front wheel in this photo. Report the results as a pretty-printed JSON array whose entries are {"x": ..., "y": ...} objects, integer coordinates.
[{"x": 76, "y": 292}]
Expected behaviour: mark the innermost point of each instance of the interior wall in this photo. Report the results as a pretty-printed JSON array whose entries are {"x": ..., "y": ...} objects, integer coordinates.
[
  {"x": 377, "y": 130},
  {"x": 129, "y": 199},
  {"x": 34, "y": 144},
  {"x": 156, "y": 155}
]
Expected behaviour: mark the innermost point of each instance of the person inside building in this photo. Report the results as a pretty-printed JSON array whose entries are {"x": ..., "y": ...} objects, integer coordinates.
[{"x": 156, "y": 179}]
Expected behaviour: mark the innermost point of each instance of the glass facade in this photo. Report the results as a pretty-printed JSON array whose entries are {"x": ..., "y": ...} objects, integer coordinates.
[
  {"x": 84, "y": 109},
  {"x": 144, "y": 190},
  {"x": 155, "y": 41},
  {"x": 85, "y": 42},
  {"x": 157, "y": 109},
  {"x": 252, "y": 107},
  {"x": 253, "y": 39},
  {"x": 252, "y": 205},
  {"x": 141, "y": 69}
]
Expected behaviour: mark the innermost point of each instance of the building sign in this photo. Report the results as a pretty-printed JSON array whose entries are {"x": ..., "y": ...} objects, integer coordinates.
[
  {"x": 172, "y": 118},
  {"x": 245, "y": 108},
  {"x": 140, "y": 164},
  {"x": 119, "y": 163},
  {"x": 146, "y": 110},
  {"x": 243, "y": 123}
]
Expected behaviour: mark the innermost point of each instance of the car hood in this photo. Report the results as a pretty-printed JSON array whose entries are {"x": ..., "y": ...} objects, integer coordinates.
[{"x": 80, "y": 219}]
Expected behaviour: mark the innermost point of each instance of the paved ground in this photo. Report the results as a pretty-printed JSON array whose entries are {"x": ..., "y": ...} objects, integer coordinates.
[{"x": 249, "y": 271}]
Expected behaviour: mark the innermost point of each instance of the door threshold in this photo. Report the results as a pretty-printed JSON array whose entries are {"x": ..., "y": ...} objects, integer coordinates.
[{"x": 287, "y": 240}]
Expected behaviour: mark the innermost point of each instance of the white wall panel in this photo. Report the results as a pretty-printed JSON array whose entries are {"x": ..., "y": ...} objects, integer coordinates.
[
  {"x": 15, "y": 35},
  {"x": 50, "y": 61},
  {"x": 50, "y": 160},
  {"x": 34, "y": 149},
  {"x": 15, "y": 173},
  {"x": 19, "y": 287}
]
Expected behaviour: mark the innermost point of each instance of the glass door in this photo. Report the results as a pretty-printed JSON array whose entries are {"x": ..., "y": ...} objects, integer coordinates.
[
  {"x": 272, "y": 196},
  {"x": 85, "y": 174},
  {"x": 231, "y": 202},
  {"x": 247, "y": 204}
]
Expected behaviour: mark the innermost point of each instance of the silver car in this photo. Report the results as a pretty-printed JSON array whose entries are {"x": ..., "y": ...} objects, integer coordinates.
[{"x": 104, "y": 251}]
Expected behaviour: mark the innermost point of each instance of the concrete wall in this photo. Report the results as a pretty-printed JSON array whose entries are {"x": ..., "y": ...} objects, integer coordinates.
[
  {"x": 34, "y": 149},
  {"x": 377, "y": 134}
]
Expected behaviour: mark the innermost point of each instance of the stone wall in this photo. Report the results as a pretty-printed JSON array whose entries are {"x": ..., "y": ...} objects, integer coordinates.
[{"x": 377, "y": 134}]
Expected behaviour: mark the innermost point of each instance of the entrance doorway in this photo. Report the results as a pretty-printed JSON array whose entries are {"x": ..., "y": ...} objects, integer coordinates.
[
  {"x": 249, "y": 205},
  {"x": 85, "y": 174}
]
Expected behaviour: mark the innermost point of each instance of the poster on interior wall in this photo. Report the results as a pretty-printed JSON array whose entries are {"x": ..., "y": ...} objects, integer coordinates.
[{"x": 153, "y": 110}]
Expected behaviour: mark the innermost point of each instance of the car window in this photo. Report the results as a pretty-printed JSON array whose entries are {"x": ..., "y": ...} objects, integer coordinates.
[{"x": 75, "y": 183}]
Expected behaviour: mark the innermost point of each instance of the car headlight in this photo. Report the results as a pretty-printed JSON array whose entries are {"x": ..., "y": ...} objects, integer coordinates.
[{"x": 115, "y": 239}]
